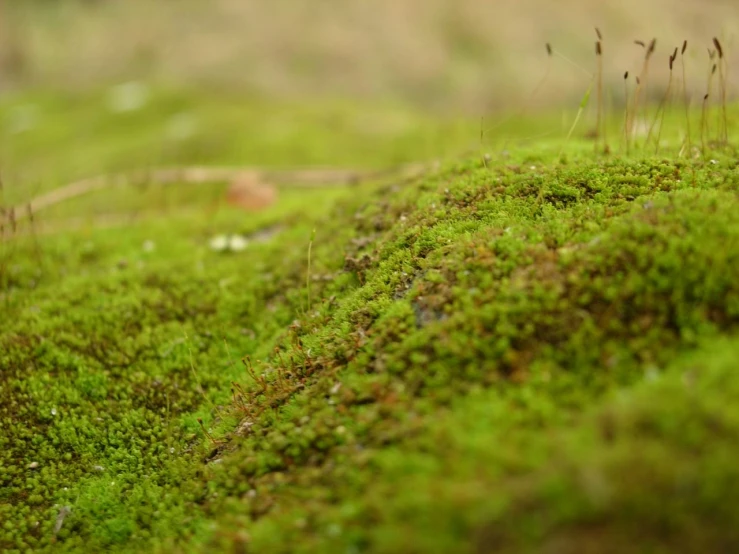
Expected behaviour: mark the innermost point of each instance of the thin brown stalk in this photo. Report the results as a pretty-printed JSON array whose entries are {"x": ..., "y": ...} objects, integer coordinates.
[
  {"x": 626, "y": 111},
  {"x": 206, "y": 433},
  {"x": 723, "y": 126},
  {"x": 642, "y": 79},
  {"x": 705, "y": 129},
  {"x": 660, "y": 115},
  {"x": 520, "y": 113},
  {"x": 703, "y": 125},
  {"x": 599, "y": 131}
]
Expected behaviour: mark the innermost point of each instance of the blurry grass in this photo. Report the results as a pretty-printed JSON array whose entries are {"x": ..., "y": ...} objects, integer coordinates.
[{"x": 50, "y": 139}]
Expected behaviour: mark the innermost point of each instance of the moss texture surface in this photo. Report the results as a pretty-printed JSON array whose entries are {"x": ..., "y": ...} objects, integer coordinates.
[{"x": 525, "y": 353}]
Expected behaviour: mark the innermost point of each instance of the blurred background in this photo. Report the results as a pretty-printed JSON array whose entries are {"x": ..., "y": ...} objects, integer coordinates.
[
  {"x": 99, "y": 86},
  {"x": 468, "y": 56}
]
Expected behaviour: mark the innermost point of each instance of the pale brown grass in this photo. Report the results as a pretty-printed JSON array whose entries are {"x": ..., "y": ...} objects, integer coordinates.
[{"x": 460, "y": 54}]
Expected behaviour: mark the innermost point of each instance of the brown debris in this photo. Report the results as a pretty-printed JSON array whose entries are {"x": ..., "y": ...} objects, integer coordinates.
[{"x": 249, "y": 193}]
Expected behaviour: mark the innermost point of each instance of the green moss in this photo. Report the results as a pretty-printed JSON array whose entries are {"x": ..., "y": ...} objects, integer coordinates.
[
  {"x": 549, "y": 304},
  {"x": 502, "y": 355}
]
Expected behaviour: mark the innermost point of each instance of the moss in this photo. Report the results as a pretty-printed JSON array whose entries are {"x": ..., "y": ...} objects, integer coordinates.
[
  {"x": 502, "y": 355},
  {"x": 551, "y": 304}
]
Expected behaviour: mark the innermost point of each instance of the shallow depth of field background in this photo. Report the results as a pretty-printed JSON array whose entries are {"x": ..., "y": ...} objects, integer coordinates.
[
  {"x": 467, "y": 56},
  {"x": 100, "y": 86}
]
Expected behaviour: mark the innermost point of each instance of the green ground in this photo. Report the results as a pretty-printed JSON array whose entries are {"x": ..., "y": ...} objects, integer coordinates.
[{"x": 532, "y": 352}]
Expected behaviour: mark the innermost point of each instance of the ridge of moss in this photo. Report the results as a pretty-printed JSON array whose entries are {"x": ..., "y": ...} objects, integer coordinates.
[{"x": 557, "y": 284}]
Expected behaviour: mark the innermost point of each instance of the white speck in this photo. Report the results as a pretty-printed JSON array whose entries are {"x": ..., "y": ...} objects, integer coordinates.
[
  {"x": 53, "y": 411},
  {"x": 335, "y": 388},
  {"x": 237, "y": 243},
  {"x": 532, "y": 168},
  {"x": 171, "y": 450},
  {"x": 714, "y": 162},
  {"x": 245, "y": 426},
  {"x": 340, "y": 430},
  {"x": 219, "y": 243},
  {"x": 32, "y": 465},
  {"x": 252, "y": 493},
  {"x": 98, "y": 468},
  {"x": 128, "y": 97},
  {"x": 149, "y": 246},
  {"x": 403, "y": 218}
]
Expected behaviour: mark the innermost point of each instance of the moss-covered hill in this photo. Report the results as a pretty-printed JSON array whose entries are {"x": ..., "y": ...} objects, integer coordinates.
[{"x": 505, "y": 355}]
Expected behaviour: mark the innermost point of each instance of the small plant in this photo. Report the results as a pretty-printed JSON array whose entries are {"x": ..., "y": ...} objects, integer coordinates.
[
  {"x": 259, "y": 380},
  {"x": 600, "y": 130},
  {"x": 704, "y": 111},
  {"x": 660, "y": 114},
  {"x": 625, "y": 134},
  {"x": 239, "y": 396},
  {"x": 704, "y": 123},
  {"x": 723, "y": 125},
  {"x": 207, "y": 433},
  {"x": 641, "y": 80},
  {"x": 544, "y": 77}
]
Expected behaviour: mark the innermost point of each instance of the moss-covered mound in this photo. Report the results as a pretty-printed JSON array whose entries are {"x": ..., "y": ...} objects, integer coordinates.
[{"x": 498, "y": 357}]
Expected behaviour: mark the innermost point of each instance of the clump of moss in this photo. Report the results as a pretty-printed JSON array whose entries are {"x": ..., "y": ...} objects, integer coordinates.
[{"x": 551, "y": 286}]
